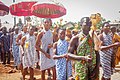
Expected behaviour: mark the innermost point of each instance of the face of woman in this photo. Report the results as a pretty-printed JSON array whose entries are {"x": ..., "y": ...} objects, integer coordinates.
[
  {"x": 62, "y": 34},
  {"x": 106, "y": 29},
  {"x": 113, "y": 30},
  {"x": 31, "y": 31},
  {"x": 25, "y": 29},
  {"x": 47, "y": 24}
]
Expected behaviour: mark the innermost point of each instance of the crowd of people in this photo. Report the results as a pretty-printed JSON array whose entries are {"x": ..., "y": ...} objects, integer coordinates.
[{"x": 63, "y": 53}]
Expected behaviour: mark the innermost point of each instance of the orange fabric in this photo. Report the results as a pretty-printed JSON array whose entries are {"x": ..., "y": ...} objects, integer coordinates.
[{"x": 117, "y": 38}]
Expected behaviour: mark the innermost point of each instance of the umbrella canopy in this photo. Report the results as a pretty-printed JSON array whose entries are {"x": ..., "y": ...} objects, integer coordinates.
[
  {"x": 4, "y": 10},
  {"x": 22, "y": 8},
  {"x": 48, "y": 10}
]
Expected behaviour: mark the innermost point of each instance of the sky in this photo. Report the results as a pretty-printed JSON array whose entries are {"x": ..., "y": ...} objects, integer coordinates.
[{"x": 76, "y": 9}]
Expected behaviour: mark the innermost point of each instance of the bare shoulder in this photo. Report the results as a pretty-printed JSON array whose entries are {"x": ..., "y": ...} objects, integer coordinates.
[
  {"x": 75, "y": 38},
  {"x": 40, "y": 34},
  {"x": 23, "y": 38},
  {"x": 74, "y": 41}
]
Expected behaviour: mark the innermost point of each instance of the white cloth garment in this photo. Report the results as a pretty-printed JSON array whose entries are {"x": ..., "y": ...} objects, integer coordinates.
[
  {"x": 29, "y": 52},
  {"x": 46, "y": 63}
]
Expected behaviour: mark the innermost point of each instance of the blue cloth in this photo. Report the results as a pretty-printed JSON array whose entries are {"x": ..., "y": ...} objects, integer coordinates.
[
  {"x": 5, "y": 39},
  {"x": 63, "y": 69},
  {"x": 15, "y": 50}
]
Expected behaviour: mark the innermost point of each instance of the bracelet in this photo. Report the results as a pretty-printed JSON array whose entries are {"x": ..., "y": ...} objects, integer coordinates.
[{"x": 85, "y": 58}]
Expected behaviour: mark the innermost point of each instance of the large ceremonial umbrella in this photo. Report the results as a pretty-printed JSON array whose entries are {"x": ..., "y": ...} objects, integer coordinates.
[
  {"x": 48, "y": 10},
  {"x": 22, "y": 8},
  {"x": 4, "y": 10}
]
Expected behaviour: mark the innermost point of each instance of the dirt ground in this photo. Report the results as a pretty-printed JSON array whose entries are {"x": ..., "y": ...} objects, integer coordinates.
[{"x": 5, "y": 73}]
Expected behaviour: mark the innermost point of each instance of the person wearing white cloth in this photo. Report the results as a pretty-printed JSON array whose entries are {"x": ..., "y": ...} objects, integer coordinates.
[
  {"x": 45, "y": 40},
  {"x": 28, "y": 60}
]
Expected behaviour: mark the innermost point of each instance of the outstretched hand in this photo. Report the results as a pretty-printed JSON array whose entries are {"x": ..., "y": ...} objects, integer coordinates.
[
  {"x": 66, "y": 56},
  {"x": 88, "y": 58},
  {"x": 75, "y": 57}
]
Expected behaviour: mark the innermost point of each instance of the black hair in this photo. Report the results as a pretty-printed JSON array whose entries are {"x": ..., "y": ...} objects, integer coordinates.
[
  {"x": 4, "y": 28},
  {"x": 85, "y": 21},
  {"x": 61, "y": 30},
  {"x": 112, "y": 27},
  {"x": 105, "y": 24}
]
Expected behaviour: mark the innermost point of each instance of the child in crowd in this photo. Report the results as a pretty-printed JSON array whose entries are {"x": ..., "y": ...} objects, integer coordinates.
[{"x": 63, "y": 67}]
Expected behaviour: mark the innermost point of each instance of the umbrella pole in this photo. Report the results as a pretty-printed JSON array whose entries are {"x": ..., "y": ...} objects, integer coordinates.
[
  {"x": 14, "y": 20},
  {"x": 13, "y": 0},
  {"x": 14, "y": 17}
]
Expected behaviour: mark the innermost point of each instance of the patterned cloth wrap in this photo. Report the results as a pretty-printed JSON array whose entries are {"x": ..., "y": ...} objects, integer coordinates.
[
  {"x": 63, "y": 68},
  {"x": 83, "y": 69},
  {"x": 106, "y": 56}
]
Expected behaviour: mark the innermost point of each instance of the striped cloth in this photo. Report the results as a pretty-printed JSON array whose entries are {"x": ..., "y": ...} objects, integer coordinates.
[
  {"x": 105, "y": 56},
  {"x": 29, "y": 52}
]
